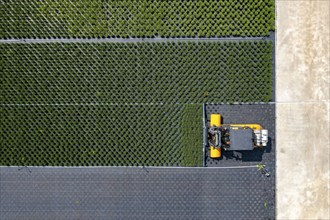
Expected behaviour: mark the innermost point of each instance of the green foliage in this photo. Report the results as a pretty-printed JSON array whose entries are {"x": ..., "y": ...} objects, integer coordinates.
[
  {"x": 191, "y": 135},
  {"x": 70, "y": 104},
  {"x": 136, "y": 73},
  {"x": 260, "y": 167},
  {"x": 129, "y": 18},
  {"x": 115, "y": 135}
]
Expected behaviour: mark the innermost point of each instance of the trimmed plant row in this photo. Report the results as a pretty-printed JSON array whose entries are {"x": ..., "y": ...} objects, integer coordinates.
[
  {"x": 181, "y": 72},
  {"x": 142, "y": 18},
  {"x": 191, "y": 135}
]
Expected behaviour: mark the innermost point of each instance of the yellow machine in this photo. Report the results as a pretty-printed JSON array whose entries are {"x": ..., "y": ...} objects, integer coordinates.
[
  {"x": 234, "y": 136},
  {"x": 215, "y": 121}
]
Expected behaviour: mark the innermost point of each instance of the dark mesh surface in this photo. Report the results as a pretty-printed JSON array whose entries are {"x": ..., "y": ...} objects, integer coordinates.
[
  {"x": 263, "y": 114},
  {"x": 135, "y": 193}
]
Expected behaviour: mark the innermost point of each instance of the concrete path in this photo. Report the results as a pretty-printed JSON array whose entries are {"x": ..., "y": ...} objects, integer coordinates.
[{"x": 302, "y": 95}]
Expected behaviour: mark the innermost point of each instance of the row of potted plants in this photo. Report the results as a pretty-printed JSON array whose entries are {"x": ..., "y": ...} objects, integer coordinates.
[
  {"x": 144, "y": 18},
  {"x": 166, "y": 72},
  {"x": 89, "y": 135}
]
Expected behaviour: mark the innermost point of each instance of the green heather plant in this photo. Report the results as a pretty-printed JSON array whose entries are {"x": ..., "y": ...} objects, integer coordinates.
[
  {"x": 149, "y": 97},
  {"x": 191, "y": 133},
  {"x": 128, "y": 18}
]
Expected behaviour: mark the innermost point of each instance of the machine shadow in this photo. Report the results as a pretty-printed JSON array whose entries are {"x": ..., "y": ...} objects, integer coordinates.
[{"x": 247, "y": 156}]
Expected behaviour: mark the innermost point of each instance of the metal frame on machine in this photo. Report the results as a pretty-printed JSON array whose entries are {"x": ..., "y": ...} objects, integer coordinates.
[{"x": 204, "y": 134}]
